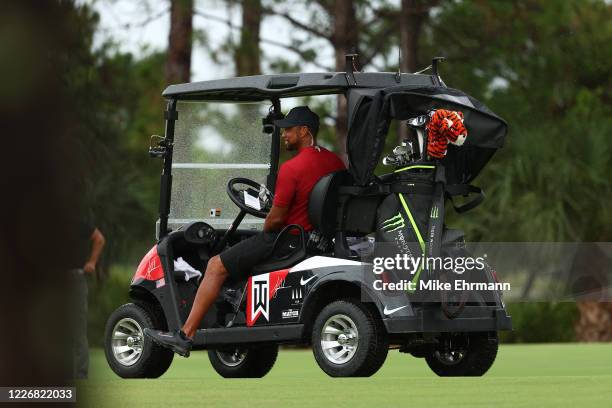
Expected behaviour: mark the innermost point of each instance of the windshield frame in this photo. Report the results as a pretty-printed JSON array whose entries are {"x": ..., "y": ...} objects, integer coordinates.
[{"x": 171, "y": 115}]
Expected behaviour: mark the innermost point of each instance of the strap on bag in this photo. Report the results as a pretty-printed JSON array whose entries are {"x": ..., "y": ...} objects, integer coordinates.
[
  {"x": 436, "y": 229},
  {"x": 386, "y": 189},
  {"x": 436, "y": 217},
  {"x": 464, "y": 190}
]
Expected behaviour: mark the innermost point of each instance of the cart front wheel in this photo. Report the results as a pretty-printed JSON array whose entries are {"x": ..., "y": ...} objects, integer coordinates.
[{"x": 128, "y": 352}]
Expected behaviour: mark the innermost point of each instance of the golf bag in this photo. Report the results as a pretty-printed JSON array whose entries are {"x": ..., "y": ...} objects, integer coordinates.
[{"x": 410, "y": 221}]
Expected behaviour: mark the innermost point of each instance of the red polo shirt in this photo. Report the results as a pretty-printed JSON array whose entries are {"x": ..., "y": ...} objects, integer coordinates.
[{"x": 298, "y": 176}]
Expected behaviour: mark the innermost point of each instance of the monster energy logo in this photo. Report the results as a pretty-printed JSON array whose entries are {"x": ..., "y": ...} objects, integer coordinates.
[
  {"x": 434, "y": 212},
  {"x": 393, "y": 223}
]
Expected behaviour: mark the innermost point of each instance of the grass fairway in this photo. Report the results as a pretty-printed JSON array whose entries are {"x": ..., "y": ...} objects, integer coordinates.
[{"x": 551, "y": 375}]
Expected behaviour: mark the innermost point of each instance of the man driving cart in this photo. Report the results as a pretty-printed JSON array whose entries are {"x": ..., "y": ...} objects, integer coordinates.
[{"x": 296, "y": 179}]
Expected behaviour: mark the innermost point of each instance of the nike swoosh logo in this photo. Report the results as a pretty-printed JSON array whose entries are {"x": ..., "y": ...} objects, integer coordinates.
[
  {"x": 305, "y": 281},
  {"x": 387, "y": 312}
]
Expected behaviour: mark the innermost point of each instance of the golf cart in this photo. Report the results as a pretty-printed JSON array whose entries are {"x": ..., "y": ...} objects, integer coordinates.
[{"x": 217, "y": 184}]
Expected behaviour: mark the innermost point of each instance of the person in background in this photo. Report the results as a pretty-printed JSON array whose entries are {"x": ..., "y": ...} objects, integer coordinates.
[{"x": 89, "y": 245}]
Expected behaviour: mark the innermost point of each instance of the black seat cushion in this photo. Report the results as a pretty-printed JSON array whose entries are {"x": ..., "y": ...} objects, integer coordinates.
[{"x": 282, "y": 257}]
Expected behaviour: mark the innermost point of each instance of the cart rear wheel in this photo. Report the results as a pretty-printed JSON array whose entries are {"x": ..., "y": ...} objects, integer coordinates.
[
  {"x": 465, "y": 355},
  {"x": 128, "y": 352},
  {"x": 241, "y": 362},
  {"x": 349, "y": 340}
]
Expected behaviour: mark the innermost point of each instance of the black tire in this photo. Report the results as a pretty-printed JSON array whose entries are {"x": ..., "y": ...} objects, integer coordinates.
[
  {"x": 253, "y": 362},
  {"x": 153, "y": 360},
  {"x": 473, "y": 358},
  {"x": 372, "y": 343}
]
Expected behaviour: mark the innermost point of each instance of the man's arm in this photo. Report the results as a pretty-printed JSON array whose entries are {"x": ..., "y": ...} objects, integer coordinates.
[
  {"x": 97, "y": 243},
  {"x": 276, "y": 218},
  {"x": 283, "y": 198}
]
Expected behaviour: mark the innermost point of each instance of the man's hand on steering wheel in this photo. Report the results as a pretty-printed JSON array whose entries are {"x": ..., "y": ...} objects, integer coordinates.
[{"x": 258, "y": 196}]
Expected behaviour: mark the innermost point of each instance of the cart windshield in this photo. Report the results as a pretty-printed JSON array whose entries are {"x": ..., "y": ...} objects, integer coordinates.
[{"x": 214, "y": 142}]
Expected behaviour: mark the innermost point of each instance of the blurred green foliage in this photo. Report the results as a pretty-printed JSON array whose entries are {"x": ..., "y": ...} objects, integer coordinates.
[
  {"x": 543, "y": 322},
  {"x": 104, "y": 298},
  {"x": 541, "y": 66},
  {"x": 118, "y": 106}
]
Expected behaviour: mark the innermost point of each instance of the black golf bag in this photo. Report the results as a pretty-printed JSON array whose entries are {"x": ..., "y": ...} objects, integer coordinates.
[{"x": 410, "y": 224}]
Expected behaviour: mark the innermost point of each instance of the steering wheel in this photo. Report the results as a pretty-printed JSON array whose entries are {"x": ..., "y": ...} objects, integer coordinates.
[{"x": 258, "y": 193}]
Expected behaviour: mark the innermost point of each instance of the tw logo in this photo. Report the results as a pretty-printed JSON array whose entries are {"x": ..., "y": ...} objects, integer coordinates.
[{"x": 260, "y": 289}]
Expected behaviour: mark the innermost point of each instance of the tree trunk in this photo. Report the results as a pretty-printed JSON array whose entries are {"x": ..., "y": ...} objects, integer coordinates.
[
  {"x": 595, "y": 321},
  {"x": 411, "y": 21},
  {"x": 589, "y": 283},
  {"x": 178, "y": 65},
  {"x": 412, "y": 16},
  {"x": 344, "y": 40},
  {"x": 247, "y": 54}
]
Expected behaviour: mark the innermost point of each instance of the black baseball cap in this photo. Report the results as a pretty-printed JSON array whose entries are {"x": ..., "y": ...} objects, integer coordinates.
[{"x": 300, "y": 116}]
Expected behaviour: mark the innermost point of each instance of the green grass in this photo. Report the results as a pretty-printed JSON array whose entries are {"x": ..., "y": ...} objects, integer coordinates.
[{"x": 547, "y": 375}]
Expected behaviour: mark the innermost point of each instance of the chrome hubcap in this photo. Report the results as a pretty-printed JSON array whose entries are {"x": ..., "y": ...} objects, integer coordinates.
[
  {"x": 232, "y": 358},
  {"x": 454, "y": 350},
  {"x": 450, "y": 357},
  {"x": 339, "y": 339},
  {"x": 127, "y": 341}
]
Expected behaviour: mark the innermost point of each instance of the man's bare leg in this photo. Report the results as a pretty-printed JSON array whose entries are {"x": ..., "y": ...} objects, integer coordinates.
[{"x": 207, "y": 293}]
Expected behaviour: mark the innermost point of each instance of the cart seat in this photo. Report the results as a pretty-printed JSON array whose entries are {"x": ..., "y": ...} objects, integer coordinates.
[
  {"x": 338, "y": 209},
  {"x": 323, "y": 202}
]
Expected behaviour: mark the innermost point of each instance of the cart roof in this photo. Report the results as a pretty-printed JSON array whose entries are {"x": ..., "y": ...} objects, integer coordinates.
[{"x": 264, "y": 87}]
